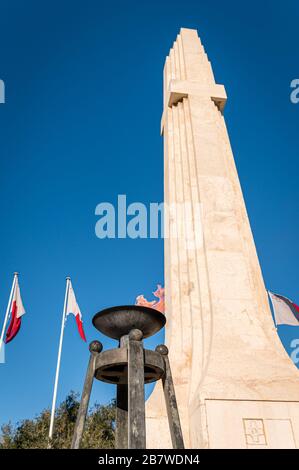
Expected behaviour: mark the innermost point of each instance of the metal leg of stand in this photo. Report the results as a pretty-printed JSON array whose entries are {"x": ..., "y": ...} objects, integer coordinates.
[
  {"x": 136, "y": 403},
  {"x": 171, "y": 403},
  {"x": 95, "y": 348},
  {"x": 121, "y": 430}
]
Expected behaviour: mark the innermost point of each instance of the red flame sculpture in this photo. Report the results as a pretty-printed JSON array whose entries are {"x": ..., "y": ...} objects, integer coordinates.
[{"x": 157, "y": 304}]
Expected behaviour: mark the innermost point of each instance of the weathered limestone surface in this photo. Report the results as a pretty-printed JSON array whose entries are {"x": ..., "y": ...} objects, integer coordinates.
[{"x": 235, "y": 384}]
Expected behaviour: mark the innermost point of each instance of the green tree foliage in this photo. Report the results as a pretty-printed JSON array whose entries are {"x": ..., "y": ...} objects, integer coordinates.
[{"x": 33, "y": 433}]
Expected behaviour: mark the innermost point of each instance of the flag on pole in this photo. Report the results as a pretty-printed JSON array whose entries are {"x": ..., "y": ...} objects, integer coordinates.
[
  {"x": 70, "y": 306},
  {"x": 285, "y": 311},
  {"x": 17, "y": 311},
  {"x": 73, "y": 308}
]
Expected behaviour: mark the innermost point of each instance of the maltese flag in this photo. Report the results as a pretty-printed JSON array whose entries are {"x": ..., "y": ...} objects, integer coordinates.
[
  {"x": 286, "y": 312},
  {"x": 17, "y": 311},
  {"x": 73, "y": 307}
]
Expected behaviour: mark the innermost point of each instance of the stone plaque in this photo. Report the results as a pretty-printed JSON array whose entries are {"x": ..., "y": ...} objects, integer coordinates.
[{"x": 254, "y": 431}]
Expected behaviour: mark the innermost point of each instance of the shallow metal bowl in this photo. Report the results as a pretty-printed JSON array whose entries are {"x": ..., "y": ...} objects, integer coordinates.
[{"x": 116, "y": 322}]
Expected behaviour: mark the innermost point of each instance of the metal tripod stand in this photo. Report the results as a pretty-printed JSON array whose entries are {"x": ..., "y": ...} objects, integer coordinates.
[{"x": 130, "y": 366}]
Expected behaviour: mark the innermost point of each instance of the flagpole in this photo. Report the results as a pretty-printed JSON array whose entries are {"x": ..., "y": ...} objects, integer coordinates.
[
  {"x": 58, "y": 360},
  {"x": 8, "y": 309}
]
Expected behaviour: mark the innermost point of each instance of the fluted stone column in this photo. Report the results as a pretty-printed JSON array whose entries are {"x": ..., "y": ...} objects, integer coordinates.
[{"x": 235, "y": 384}]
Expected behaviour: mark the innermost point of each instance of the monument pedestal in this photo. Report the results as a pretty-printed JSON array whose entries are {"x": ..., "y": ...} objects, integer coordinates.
[{"x": 236, "y": 386}]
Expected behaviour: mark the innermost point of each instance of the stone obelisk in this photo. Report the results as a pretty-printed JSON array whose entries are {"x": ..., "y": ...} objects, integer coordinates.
[{"x": 236, "y": 387}]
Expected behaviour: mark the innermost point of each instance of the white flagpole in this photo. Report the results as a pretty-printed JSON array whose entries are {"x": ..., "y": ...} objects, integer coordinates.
[
  {"x": 8, "y": 309},
  {"x": 58, "y": 360}
]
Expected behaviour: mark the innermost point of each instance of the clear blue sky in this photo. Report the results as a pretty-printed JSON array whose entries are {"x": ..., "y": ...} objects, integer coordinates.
[{"x": 81, "y": 125}]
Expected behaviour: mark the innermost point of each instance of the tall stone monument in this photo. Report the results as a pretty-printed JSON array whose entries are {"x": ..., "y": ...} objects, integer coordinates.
[{"x": 236, "y": 387}]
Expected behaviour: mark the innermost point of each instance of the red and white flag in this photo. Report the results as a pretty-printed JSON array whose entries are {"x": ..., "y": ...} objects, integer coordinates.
[
  {"x": 17, "y": 311},
  {"x": 73, "y": 308},
  {"x": 285, "y": 311}
]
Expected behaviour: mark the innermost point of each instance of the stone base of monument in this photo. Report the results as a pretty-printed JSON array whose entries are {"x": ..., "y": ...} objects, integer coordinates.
[{"x": 130, "y": 366}]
